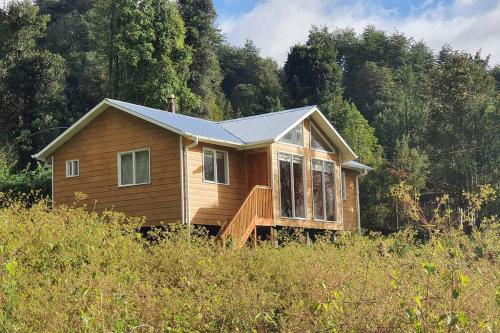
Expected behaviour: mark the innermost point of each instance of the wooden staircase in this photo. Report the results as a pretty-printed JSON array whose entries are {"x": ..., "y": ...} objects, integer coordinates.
[{"x": 256, "y": 209}]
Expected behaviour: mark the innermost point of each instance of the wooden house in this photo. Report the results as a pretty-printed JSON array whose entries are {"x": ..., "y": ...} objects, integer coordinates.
[{"x": 288, "y": 168}]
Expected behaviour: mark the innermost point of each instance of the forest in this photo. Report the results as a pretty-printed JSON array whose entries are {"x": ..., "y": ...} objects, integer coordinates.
[{"x": 430, "y": 119}]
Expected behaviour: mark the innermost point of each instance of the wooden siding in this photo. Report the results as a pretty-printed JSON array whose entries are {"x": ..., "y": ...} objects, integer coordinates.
[
  {"x": 350, "y": 204},
  {"x": 210, "y": 203},
  {"x": 96, "y": 147},
  {"x": 308, "y": 154}
]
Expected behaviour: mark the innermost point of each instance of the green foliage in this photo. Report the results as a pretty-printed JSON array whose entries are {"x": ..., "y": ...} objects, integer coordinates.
[
  {"x": 360, "y": 136},
  {"x": 18, "y": 183},
  {"x": 31, "y": 81},
  {"x": 251, "y": 83},
  {"x": 141, "y": 48},
  {"x": 464, "y": 122},
  {"x": 67, "y": 269},
  {"x": 311, "y": 73},
  {"x": 410, "y": 164},
  {"x": 205, "y": 72}
]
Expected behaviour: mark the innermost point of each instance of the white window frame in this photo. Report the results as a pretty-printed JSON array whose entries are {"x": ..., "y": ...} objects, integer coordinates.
[
  {"x": 226, "y": 164},
  {"x": 343, "y": 187},
  {"x": 293, "y": 144},
  {"x": 133, "y": 166},
  {"x": 292, "y": 155},
  {"x": 68, "y": 168},
  {"x": 323, "y": 160},
  {"x": 324, "y": 139}
]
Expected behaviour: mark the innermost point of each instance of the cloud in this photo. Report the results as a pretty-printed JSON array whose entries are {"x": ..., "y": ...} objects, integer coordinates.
[{"x": 276, "y": 25}]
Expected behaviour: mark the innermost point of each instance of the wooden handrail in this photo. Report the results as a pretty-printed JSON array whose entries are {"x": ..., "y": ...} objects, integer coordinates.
[{"x": 257, "y": 205}]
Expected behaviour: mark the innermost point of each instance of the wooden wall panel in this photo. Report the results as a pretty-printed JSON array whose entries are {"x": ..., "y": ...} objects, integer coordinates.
[
  {"x": 96, "y": 147},
  {"x": 215, "y": 204},
  {"x": 308, "y": 155},
  {"x": 350, "y": 204}
]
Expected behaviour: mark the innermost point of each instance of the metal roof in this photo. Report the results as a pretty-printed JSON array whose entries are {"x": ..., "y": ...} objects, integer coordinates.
[
  {"x": 185, "y": 124},
  {"x": 265, "y": 127},
  {"x": 239, "y": 133},
  {"x": 247, "y": 130},
  {"x": 356, "y": 165}
]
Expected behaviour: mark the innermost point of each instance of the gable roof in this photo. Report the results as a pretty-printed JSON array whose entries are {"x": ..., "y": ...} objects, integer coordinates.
[
  {"x": 265, "y": 127},
  {"x": 241, "y": 133}
]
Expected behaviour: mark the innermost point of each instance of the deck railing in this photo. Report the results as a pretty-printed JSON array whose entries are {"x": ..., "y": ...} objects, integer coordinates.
[{"x": 257, "y": 208}]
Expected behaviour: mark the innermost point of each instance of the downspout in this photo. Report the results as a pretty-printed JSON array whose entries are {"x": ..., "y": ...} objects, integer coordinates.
[
  {"x": 181, "y": 158},
  {"x": 52, "y": 179},
  {"x": 186, "y": 168},
  {"x": 341, "y": 192},
  {"x": 357, "y": 203}
]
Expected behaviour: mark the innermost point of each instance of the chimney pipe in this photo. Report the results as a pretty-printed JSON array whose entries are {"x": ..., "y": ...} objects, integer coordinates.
[{"x": 171, "y": 103}]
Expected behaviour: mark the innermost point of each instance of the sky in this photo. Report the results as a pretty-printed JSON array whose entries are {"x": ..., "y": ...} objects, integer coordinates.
[{"x": 275, "y": 25}]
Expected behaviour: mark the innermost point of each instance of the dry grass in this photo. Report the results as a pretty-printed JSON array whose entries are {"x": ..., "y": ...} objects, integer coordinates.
[{"x": 69, "y": 270}]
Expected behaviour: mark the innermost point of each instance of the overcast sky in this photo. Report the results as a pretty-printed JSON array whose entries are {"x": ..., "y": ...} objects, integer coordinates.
[{"x": 275, "y": 25}]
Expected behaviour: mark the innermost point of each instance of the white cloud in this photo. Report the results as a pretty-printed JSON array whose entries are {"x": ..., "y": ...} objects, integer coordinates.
[{"x": 275, "y": 25}]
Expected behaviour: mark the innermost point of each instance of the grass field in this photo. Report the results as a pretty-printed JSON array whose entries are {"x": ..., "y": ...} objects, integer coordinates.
[{"x": 67, "y": 270}]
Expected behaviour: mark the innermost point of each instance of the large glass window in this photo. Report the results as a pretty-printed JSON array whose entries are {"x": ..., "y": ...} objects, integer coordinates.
[
  {"x": 319, "y": 142},
  {"x": 133, "y": 167},
  {"x": 292, "y": 191},
  {"x": 215, "y": 166},
  {"x": 323, "y": 183},
  {"x": 295, "y": 136}
]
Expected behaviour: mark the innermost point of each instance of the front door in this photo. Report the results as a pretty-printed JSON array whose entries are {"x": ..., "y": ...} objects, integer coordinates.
[{"x": 257, "y": 169}]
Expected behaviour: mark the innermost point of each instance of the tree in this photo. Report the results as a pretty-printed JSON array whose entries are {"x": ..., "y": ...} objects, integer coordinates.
[
  {"x": 141, "y": 48},
  {"x": 311, "y": 73},
  {"x": 360, "y": 136},
  {"x": 405, "y": 111},
  {"x": 251, "y": 83},
  {"x": 411, "y": 165},
  {"x": 205, "y": 73},
  {"x": 313, "y": 76},
  {"x": 68, "y": 36},
  {"x": 464, "y": 123},
  {"x": 31, "y": 82}
]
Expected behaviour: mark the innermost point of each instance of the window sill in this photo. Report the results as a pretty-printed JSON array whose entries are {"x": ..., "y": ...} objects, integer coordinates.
[
  {"x": 325, "y": 221},
  {"x": 129, "y": 185},
  {"x": 293, "y": 218},
  {"x": 215, "y": 183}
]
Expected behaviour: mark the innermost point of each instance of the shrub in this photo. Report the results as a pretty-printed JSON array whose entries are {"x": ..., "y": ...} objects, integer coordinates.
[
  {"x": 67, "y": 269},
  {"x": 28, "y": 180}
]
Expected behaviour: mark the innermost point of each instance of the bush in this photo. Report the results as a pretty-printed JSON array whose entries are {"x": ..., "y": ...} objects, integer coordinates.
[
  {"x": 38, "y": 180},
  {"x": 67, "y": 269}
]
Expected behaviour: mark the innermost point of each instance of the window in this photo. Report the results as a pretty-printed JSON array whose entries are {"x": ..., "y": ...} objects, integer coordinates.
[
  {"x": 323, "y": 183},
  {"x": 319, "y": 142},
  {"x": 344, "y": 192},
  {"x": 72, "y": 168},
  {"x": 295, "y": 136},
  {"x": 133, "y": 168},
  {"x": 215, "y": 166},
  {"x": 292, "y": 192}
]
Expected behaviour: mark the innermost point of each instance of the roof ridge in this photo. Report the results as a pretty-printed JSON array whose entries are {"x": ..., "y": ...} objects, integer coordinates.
[
  {"x": 170, "y": 113},
  {"x": 267, "y": 114}
]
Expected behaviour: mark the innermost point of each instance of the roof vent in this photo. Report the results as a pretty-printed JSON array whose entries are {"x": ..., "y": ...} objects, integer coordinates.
[{"x": 171, "y": 103}]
